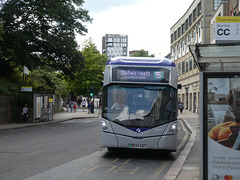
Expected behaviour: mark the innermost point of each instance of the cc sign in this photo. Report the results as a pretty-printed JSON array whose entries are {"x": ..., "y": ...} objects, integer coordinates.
[
  {"x": 223, "y": 32},
  {"x": 227, "y": 28}
]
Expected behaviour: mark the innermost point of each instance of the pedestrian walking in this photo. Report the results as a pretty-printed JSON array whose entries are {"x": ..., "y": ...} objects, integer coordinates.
[
  {"x": 71, "y": 106},
  {"x": 67, "y": 107},
  {"x": 89, "y": 107},
  {"x": 181, "y": 107},
  {"x": 83, "y": 104},
  {"x": 25, "y": 113},
  {"x": 75, "y": 106},
  {"x": 92, "y": 107}
]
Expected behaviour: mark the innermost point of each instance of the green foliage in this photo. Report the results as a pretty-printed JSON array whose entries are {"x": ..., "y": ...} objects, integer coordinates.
[
  {"x": 8, "y": 69},
  {"x": 92, "y": 73},
  {"x": 1, "y": 32},
  {"x": 43, "y": 33},
  {"x": 9, "y": 88},
  {"x": 13, "y": 88},
  {"x": 49, "y": 80},
  {"x": 142, "y": 53}
]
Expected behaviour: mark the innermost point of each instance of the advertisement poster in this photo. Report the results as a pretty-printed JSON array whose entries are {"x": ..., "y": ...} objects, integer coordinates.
[
  {"x": 223, "y": 121},
  {"x": 38, "y": 107}
]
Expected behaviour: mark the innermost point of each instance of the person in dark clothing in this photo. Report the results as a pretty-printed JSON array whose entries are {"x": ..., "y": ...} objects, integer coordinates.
[
  {"x": 181, "y": 107},
  {"x": 25, "y": 113}
]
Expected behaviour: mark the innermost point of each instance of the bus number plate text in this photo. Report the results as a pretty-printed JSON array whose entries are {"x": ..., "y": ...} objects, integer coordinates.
[{"x": 138, "y": 146}]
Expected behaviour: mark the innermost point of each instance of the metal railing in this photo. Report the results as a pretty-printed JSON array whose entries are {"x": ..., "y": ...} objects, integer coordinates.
[{"x": 46, "y": 114}]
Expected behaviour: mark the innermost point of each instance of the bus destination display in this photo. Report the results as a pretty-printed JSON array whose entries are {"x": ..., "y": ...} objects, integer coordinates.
[{"x": 140, "y": 74}]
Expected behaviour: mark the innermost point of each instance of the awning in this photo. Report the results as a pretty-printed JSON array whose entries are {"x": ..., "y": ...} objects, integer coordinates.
[{"x": 216, "y": 57}]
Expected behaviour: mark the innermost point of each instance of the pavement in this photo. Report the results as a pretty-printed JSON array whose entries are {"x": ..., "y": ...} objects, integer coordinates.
[
  {"x": 58, "y": 117},
  {"x": 187, "y": 165}
]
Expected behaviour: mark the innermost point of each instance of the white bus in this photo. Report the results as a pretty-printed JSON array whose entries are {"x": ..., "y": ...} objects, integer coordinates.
[{"x": 140, "y": 106}]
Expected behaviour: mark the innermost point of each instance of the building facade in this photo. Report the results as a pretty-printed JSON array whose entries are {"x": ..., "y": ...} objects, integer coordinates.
[
  {"x": 192, "y": 28},
  {"x": 115, "y": 45}
]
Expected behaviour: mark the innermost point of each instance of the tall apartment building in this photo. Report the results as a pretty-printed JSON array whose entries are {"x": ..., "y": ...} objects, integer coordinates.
[
  {"x": 115, "y": 45},
  {"x": 193, "y": 27}
]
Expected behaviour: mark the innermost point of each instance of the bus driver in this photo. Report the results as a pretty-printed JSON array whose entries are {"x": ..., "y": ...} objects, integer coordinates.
[{"x": 120, "y": 97}]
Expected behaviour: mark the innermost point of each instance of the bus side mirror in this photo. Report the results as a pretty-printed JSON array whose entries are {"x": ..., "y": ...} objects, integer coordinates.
[
  {"x": 101, "y": 83},
  {"x": 179, "y": 86}
]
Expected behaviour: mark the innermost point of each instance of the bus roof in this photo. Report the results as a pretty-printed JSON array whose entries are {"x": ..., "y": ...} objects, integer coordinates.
[{"x": 141, "y": 61}]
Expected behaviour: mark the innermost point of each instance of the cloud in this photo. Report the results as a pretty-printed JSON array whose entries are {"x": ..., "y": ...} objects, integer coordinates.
[
  {"x": 98, "y": 6},
  {"x": 147, "y": 24}
]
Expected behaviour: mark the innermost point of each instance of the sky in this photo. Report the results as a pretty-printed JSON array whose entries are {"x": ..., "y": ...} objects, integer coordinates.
[{"x": 146, "y": 22}]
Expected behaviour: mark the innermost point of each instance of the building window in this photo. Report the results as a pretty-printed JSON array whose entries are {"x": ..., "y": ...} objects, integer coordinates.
[
  {"x": 216, "y": 4},
  {"x": 186, "y": 24},
  {"x": 179, "y": 50},
  {"x": 171, "y": 38},
  {"x": 179, "y": 69},
  {"x": 172, "y": 53},
  {"x": 194, "y": 14},
  {"x": 190, "y": 20},
  {"x": 190, "y": 63},
  {"x": 183, "y": 28},
  {"x": 109, "y": 40},
  {"x": 123, "y": 39},
  {"x": 109, "y": 44},
  {"x": 175, "y": 53},
  {"x": 195, "y": 36},
  {"x": 179, "y": 32},
  {"x": 183, "y": 67},
  {"x": 187, "y": 65},
  {"x": 194, "y": 65},
  {"x": 199, "y": 7},
  {"x": 124, "y": 44},
  {"x": 199, "y": 33},
  {"x": 187, "y": 48},
  {"x": 190, "y": 38},
  {"x": 175, "y": 35},
  {"x": 183, "y": 48}
]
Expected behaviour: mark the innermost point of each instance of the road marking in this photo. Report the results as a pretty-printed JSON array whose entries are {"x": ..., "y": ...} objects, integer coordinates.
[
  {"x": 112, "y": 167},
  {"x": 115, "y": 160},
  {"x": 116, "y": 167},
  {"x": 127, "y": 161},
  {"x": 185, "y": 137}
]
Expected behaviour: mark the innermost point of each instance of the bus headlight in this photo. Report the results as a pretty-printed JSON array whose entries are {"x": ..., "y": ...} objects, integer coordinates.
[
  {"x": 104, "y": 126},
  {"x": 173, "y": 128}
]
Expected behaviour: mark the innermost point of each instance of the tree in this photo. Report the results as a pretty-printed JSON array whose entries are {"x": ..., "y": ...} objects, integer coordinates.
[
  {"x": 43, "y": 33},
  {"x": 1, "y": 33},
  {"x": 48, "y": 79},
  {"x": 7, "y": 68},
  {"x": 92, "y": 73},
  {"x": 142, "y": 53}
]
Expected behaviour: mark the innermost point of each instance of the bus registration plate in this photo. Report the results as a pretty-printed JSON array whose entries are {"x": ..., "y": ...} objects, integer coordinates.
[{"x": 138, "y": 146}]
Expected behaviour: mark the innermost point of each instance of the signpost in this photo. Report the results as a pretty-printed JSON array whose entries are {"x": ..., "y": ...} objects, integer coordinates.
[
  {"x": 26, "y": 88},
  {"x": 227, "y": 29}
]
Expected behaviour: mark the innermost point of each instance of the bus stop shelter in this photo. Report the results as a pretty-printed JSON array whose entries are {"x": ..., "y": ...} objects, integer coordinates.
[{"x": 219, "y": 109}]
